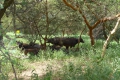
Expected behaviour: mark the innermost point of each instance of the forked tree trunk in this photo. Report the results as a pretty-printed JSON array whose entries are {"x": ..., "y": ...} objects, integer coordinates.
[{"x": 90, "y": 27}]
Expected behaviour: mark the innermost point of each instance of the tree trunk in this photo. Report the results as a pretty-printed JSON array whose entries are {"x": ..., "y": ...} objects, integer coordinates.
[
  {"x": 109, "y": 37},
  {"x": 6, "y": 4},
  {"x": 1, "y": 36},
  {"x": 104, "y": 32}
]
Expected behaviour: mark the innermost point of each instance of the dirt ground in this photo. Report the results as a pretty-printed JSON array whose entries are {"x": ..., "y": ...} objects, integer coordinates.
[{"x": 39, "y": 68}]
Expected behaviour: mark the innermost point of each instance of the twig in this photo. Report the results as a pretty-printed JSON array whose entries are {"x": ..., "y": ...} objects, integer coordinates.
[{"x": 9, "y": 58}]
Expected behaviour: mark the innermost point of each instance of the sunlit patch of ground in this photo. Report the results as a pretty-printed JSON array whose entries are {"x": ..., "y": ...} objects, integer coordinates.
[{"x": 40, "y": 68}]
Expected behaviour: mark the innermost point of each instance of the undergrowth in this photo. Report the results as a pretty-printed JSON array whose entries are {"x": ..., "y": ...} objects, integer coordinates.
[{"x": 76, "y": 65}]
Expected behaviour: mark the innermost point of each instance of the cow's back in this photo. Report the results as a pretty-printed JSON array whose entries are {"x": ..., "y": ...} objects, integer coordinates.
[{"x": 70, "y": 41}]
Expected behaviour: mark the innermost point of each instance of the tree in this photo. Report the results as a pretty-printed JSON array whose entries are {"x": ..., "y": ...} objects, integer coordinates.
[
  {"x": 37, "y": 19},
  {"x": 5, "y": 4},
  {"x": 109, "y": 37},
  {"x": 76, "y": 7}
]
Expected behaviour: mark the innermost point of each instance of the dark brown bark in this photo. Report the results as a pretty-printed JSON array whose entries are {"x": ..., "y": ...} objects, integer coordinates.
[{"x": 104, "y": 32}]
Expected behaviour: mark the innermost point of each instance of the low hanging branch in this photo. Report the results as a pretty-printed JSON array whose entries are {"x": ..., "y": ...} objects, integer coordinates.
[
  {"x": 90, "y": 27},
  {"x": 109, "y": 37}
]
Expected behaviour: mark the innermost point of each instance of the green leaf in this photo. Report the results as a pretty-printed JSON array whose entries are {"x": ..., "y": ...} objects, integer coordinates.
[{"x": 24, "y": 2}]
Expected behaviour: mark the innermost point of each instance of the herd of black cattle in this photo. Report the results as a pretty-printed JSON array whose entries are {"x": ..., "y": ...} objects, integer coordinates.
[{"x": 57, "y": 43}]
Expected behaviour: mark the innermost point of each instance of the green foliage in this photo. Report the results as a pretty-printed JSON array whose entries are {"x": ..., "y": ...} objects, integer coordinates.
[
  {"x": 77, "y": 65},
  {"x": 49, "y": 73},
  {"x": 34, "y": 76},
  {"x": 31, "y": 18}
]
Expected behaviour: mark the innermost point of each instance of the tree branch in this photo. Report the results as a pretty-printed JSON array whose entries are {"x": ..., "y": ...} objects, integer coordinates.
[
  {"x": 105, "y": 19},
  {"x": 109, "y": 37},
  {"x": 6, "y": 4}
]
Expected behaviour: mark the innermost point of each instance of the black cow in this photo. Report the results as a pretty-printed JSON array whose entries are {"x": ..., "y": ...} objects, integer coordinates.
[
  {"x": 65, "y": 41},
  {"x": 34, "y": 51},
  {"x": 55, "y": 41},
  {"x": 35, "y": 45},
  {"x": 55, "y": 47},
  {"x": 29, "y": 48},
  {"x": 23, "y": 45},
  {"x": 71, "y": 42},
  {"x": 31, "y": 45}
]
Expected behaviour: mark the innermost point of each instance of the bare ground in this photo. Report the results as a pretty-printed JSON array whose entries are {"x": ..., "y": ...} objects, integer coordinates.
[{"x": 40, "y": 68}]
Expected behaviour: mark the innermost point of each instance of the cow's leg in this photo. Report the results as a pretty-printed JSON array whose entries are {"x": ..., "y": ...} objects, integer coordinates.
[
  {"x": 25, "y": 52},
  {"x": 67, "y": 50},
  {"x": 67, "y": 47}
]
